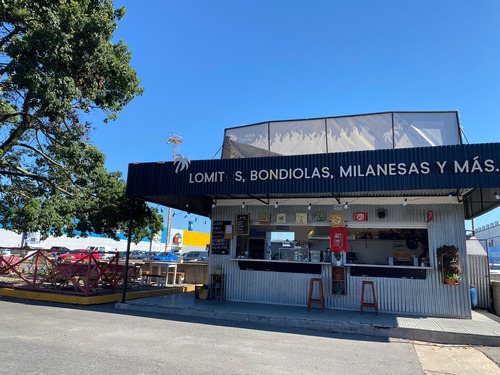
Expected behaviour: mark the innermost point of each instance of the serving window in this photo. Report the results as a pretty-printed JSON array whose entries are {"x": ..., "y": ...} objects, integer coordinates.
[{"x": 392, "y": 247}]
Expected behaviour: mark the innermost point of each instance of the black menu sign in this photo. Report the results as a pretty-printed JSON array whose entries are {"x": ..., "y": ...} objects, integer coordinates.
[
  {"x": 219, "y": 244},
  {"x": 242, "y": 224}
]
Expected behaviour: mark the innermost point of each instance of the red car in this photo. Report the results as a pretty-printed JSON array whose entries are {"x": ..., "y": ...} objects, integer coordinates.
[{"x": 78, "y": 254}]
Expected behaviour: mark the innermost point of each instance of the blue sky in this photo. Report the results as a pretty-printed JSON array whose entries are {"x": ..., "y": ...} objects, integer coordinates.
[{"x": 211, "y": 65}]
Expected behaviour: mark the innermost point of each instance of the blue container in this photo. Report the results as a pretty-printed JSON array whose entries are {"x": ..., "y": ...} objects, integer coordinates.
[{"x": 473, "y": 297}]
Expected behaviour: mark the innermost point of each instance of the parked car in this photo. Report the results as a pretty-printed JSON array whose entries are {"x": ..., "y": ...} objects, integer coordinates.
[
  {"x": 6, "y": 252},
  {"x": 195, "y": 256},
  {"x": 166, "y": 257},
  {"x": 78, "y": 254},
  {"x": 152, "y": 254},
  {"x": 55, "y": 251},
  {"x": 138, "y": 254},
  {"x": 104, "y": 252}
]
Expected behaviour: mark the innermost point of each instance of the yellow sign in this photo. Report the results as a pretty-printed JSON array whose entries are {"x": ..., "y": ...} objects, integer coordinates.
[{"x": 336, "y": 220}]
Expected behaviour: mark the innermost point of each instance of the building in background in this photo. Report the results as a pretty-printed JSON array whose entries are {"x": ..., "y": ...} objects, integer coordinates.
[
  {"x": 489, "y": 237},
  {"x": 181, "y": 241}
]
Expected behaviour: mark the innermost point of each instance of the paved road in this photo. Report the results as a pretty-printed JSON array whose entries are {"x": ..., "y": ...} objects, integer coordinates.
[{"x": 44, "y": 338}]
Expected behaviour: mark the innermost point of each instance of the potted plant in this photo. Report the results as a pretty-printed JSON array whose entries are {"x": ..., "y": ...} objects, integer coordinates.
[
  {"x": 201, "y": 291},
  {"x": 338, "y": 257},
  {"x": 453, "y": 272},
  {"x": 450, "y": 264},
  {"x": 452, "y": 278},
  {"x": 337, "y": 288},
  {"x": 338, "y": 273}
]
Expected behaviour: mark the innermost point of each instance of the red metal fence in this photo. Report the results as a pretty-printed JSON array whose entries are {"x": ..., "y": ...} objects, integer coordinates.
[{"x": 44, "y": 270}]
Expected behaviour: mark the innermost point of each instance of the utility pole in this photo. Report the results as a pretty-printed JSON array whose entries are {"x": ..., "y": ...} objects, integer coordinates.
[{"x": 175, "y": 139}]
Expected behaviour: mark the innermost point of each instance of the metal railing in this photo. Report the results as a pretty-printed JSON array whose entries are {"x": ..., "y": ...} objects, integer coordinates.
[{"x": 78, "y": 273}]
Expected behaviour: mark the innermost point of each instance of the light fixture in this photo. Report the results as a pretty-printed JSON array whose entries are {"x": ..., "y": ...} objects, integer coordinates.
[
  {"x": 187, "y": 205},
  {"x": 276, "y": 205},
  {"x": 497, "y": 196},
  {"x": 243, "y": 205},
  {"x": 309, "y": 207},
  {"x": 450, "y": 196},
  {"x": 405, "y": 202},
  {"x": 346, "y": 205},
  {"x": 214, "y": 202}
]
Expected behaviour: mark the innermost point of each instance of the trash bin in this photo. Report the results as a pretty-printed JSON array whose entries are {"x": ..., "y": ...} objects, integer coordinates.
[{"x": 473, "y": 297}]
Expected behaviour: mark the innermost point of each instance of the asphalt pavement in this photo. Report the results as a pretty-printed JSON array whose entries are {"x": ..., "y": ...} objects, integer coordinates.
[{"x": 51, "y": 338}]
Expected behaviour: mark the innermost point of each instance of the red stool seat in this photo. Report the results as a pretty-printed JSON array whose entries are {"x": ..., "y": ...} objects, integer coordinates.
[
  {"x": 321, "y": 299},
  {"x": 365, "y": 304}
]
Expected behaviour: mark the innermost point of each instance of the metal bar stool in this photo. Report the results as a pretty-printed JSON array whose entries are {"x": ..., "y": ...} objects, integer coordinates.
[
  {"x": 321, "y": 299},
  {"x": 365, "y": 304}
]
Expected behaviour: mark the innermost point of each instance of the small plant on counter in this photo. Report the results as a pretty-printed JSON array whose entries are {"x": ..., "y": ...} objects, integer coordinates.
[{"x": 338, "y": 257}]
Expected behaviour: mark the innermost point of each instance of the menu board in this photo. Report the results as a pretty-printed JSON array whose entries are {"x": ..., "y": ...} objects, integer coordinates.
[
  {"x": 242, "y": 224},
  {"x": 219, "y": 244}
]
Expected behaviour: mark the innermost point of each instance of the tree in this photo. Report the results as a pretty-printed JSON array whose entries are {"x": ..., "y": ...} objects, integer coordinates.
[{"x": 57, "y": 64}]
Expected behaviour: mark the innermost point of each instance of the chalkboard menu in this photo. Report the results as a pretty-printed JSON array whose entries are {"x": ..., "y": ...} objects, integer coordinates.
[
  {"x": 242, "y": 224},
  {"x": 219, "y": 244}
]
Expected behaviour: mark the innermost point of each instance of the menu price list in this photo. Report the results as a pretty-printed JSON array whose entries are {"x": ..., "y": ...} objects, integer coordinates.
[{"x": 219, "y": 244}]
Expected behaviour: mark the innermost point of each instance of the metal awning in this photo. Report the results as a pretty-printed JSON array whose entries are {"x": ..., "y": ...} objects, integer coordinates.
[{"x": 468, "y": 172}]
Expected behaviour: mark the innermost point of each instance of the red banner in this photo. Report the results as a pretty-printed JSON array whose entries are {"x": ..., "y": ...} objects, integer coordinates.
[{"x": 338, "y": 239}]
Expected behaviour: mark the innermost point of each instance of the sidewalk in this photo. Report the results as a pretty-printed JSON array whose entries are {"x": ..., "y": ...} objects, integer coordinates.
[{"x": 482, "y": 329}]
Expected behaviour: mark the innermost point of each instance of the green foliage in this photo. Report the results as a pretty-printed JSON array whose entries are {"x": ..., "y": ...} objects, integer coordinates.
[
  {"x": 451, "y": 265},
  {"x": 57, "y": 63},
  {"x": 337, "y": 256},
  {"x": 453, "y": 276}
]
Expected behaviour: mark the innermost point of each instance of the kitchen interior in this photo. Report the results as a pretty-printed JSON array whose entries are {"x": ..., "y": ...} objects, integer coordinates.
[{"x": 365, "y": 246}]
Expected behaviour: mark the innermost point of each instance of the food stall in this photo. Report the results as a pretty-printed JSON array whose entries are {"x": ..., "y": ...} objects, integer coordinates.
[{"x": 382, "y": 192}]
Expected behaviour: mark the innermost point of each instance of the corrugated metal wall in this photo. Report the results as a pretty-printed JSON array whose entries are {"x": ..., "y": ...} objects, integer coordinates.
[
  {"x": 429, "y": 296},
  {"x": 478, "y": 266}
]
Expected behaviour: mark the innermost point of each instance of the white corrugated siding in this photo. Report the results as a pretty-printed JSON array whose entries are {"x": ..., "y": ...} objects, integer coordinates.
[
  {"x": 477, "y": 266},
  {"x": 429, "y": 296}
]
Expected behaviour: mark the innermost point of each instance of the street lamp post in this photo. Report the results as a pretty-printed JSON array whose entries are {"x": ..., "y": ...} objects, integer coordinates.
[{"x": 175, "y": 139}]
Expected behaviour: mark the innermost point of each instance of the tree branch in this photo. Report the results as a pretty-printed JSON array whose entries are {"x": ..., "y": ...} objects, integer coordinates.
[
  {"x": 25, "y": 174},
  {"x": 7, "y": 37}
]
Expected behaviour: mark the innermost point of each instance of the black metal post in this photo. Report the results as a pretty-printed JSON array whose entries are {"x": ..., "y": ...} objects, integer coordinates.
[{"x": 130, "y": 223}]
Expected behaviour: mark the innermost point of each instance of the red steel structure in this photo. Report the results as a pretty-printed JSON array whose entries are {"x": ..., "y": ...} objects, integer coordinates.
[{"x": 38, "y": 270}]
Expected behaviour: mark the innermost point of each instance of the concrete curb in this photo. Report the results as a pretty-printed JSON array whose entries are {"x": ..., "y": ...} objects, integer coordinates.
[
  {"x": 323, "y": 325},
  {"x": 93, "y": 300}
]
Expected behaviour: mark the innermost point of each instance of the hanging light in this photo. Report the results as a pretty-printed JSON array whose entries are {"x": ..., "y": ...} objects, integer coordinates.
[
  {"x": 187, "y": 205},
  {"x": 497, "y": 196},
  {"x": 405, "y": 202},
  {"x": 346, "y": 205},
  {"x": 276, "y": 205},
  {"x": 243, "y": 205},
  {"x": 309, "y": 207},
  {"x": 214, "y": 202}
]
